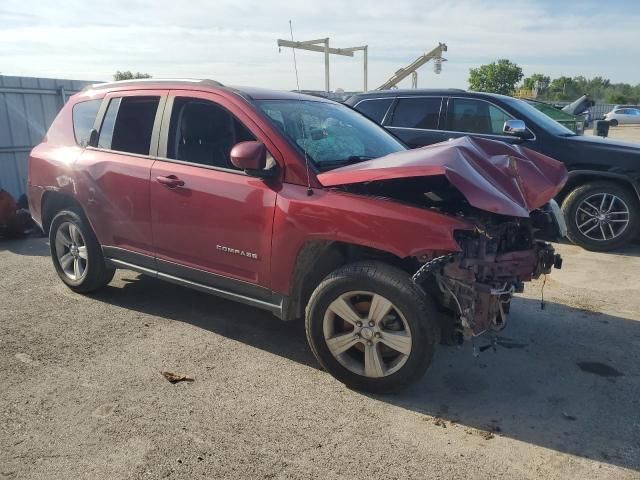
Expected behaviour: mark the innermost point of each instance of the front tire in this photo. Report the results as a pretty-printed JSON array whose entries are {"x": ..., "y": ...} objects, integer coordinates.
[
  {"x": 76, "y": 253},
  {"x": 601, "y": 215},
  {"x": 371, "y": 327},
  {"x": 613, "y": 123}
]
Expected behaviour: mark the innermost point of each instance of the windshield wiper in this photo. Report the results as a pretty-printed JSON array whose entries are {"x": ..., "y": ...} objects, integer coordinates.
[{"x": 344, "y": 161}]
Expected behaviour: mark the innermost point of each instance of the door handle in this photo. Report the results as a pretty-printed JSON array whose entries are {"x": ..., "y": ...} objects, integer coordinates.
[{"x": 170, "y": 181}]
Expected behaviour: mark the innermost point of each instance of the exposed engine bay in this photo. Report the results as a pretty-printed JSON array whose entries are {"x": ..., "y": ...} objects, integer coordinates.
[{"x": 476, "y": 284}]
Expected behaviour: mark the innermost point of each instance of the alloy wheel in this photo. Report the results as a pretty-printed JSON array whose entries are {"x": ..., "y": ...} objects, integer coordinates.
[
  {"x": 602, "y": 216},
  {"x": 71, "y": 251},
  {"x": 367, "y": 334}
]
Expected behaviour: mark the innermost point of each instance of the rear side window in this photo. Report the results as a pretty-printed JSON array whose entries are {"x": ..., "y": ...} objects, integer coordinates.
[
  {"x": 374, "y": 109},
  {"x": 128, "y": 123},
  {"x": 84, "y": 114},
  {"x": 417, "y": 113}
]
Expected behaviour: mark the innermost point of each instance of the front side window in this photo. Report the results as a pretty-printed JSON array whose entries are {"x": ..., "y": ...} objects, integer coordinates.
[
  {"x": 498, "y": 117},
  {"x": 203, "y": 132},
  {"x": 525, "y": 111},
  {"x": 374, "y": 109},
  {"x": 329, "y": 134},
  {"x": 476, "y": 116},
  {"x": 420, "y": 112},
  {"x": 84, "y": 116},
  {"x": 128, "y": 124}
]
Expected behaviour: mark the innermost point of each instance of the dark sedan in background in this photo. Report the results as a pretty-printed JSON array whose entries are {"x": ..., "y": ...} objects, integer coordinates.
[{"x": 601, "y": 200}]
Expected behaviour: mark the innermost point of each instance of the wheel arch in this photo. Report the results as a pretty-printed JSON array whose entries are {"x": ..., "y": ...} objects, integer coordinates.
[
  {"x": 318, "y": 258},
  {"x": 53, "y": 202},
  {"x": 580, "y": 177}
]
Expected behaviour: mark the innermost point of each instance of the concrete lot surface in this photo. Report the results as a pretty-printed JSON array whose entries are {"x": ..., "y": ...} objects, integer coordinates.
[
  {"x": 82, "y": 395},
  {"x": 629, "y": 133}
]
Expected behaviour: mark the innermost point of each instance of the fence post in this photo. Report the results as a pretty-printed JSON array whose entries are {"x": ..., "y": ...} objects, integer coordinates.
[{"x": 63, "y": 96}]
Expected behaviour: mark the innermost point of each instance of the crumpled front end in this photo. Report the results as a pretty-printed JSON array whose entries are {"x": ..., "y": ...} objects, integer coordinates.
[
  {"x": 503, "y": 192},
  {"x": 477, "y": 283}
]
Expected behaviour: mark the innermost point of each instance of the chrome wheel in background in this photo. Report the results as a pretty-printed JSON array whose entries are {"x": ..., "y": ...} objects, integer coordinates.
[{"x": 602, "y": 217}]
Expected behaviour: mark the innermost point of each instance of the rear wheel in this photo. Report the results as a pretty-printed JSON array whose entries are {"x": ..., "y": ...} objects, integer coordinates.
[
  {"x": 371, "y": 327},
  {"x": 76, "y": 253},
  {"x": 601, "y": 215}
]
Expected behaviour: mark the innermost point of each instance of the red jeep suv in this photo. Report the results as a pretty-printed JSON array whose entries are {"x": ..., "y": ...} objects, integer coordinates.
[{"x": 300, "y": 206}]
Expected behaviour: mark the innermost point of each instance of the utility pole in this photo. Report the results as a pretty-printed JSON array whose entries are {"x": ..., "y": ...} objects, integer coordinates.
[{"x": 322, "y": 45}]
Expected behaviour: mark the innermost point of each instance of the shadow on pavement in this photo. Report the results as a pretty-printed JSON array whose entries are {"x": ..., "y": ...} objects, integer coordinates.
[
  {"x": 33, "y": 244},
  {"x": 574, "y": 387},
  {"x": 630, "y": 250}
]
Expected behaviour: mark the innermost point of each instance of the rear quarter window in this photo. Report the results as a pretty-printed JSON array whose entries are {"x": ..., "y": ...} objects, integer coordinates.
[
  {"x": 418, "y": 112},
  {"x": 84, "y": 115}
]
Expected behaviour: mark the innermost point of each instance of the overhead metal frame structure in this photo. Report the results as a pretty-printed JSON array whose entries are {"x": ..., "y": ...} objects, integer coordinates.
[
  {"x": 322, "y": 45},
  {"x": 411, "y": 69}
]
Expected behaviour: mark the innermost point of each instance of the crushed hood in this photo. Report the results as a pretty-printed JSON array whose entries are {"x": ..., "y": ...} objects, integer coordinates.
[{"x": 493, "y": 176}]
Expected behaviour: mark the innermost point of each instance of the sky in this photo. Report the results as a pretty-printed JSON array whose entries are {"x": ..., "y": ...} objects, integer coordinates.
[{"x": 234, "y": 42}]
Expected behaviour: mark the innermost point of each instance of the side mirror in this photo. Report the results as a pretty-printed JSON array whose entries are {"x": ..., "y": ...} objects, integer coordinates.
[
  {"x": 252, "y": 158},
  {"x": 516, "y": 128},
  {"x": 93, "y": 138}
]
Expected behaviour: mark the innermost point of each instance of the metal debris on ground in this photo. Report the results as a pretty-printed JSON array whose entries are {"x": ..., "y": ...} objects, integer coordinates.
[
  {"x": 568, "y": 417},
  {"x": 439, "y": 422},
  {"x": 177, "y": 377}
]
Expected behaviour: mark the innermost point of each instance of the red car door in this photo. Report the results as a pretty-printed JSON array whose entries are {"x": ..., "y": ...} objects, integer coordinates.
[
  {"x": 117, "y": 172},
  {"x": 211, "y": 222}
]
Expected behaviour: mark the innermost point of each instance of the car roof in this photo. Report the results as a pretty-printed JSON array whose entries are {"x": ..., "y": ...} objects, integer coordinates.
[
  {"x": 408, "y": 92},
  {"x": 249, "y": 93}
]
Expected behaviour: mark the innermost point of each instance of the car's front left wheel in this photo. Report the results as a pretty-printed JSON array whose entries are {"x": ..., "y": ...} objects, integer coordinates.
[
  {"x": 371, "y": 327},
  {"x": 76, "y": 253}
]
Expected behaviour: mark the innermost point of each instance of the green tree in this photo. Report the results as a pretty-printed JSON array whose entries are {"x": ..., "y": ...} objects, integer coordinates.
[
  {"x": 497, "y": 77},
  {"x": 570, "y": 88},
  {"x": 538, "y": 82},
  {"x": 565, "y": 88},
  {"x": 128, "y": 75}
]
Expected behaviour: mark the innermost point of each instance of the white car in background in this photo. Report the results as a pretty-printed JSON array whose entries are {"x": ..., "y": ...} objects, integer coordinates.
[{"x": 620, "y": 116}]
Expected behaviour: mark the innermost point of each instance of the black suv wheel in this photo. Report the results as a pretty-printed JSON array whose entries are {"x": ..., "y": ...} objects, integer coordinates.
[
  {"x": 601, "y": 215},
  {"x": 371, "y": 327}
]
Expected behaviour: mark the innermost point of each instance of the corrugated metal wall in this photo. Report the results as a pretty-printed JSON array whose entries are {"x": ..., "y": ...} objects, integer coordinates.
[
  {"x": 27, "y": 108},
  {"x": 600, "y": 109}
]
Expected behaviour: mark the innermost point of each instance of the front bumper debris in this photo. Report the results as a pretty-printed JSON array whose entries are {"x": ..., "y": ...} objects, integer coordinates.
[{"x": 479, "y": 289}]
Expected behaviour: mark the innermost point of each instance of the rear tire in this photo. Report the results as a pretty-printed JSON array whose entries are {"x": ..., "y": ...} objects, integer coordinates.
[
  {"x": 581, "y": 216},
  {"x": 394, "y": 345},
  {"x": 76, "y": 253}
]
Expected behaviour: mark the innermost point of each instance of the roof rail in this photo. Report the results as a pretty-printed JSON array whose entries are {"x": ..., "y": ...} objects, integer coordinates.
[{"x": 149, "y": 81}]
